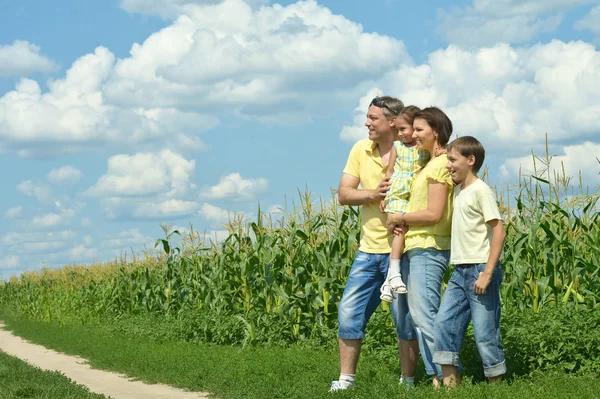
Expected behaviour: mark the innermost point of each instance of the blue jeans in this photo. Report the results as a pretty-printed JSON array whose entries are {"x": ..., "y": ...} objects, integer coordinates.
[
  {"x": 460, "y": 305},
  {"x": 424, "y": 284},
  {"x": 361, "y": 298}
]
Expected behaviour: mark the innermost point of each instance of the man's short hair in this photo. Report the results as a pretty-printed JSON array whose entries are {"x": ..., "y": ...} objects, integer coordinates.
[
  {"x": 391, "y": 106},
  {"x": 469, "y": 146}
]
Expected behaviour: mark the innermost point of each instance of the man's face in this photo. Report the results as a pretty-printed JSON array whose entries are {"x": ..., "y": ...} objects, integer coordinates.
[
  {"x": 379, "y": 126},
  {"x": 459, "y": 166}
]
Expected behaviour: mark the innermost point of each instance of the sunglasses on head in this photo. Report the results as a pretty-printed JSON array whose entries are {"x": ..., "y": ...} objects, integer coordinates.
[{"x": 381, "y": 103}]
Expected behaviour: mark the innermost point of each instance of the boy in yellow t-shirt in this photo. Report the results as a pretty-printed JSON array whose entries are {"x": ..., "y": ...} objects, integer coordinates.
[{"x": 473, "y": 292}]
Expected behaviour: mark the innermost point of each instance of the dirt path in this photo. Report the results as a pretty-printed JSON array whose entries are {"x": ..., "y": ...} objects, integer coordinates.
[{"x": 110, "y": 384}]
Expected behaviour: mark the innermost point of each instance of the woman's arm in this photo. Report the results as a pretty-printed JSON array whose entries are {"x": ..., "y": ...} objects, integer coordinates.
[{"x": 436, "y": 204}]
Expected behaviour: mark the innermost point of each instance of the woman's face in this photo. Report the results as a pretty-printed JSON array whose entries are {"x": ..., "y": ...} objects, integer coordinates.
[
  {"x": 405, "y": 131},
  {"x": 424, "y": 135}
]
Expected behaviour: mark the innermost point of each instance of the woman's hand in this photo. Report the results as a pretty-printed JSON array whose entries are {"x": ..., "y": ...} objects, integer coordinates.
[{"x": 395, "y": 223}]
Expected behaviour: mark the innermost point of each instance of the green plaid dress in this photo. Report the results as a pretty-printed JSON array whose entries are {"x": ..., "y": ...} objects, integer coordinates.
[{"x": 409, "y": 160}]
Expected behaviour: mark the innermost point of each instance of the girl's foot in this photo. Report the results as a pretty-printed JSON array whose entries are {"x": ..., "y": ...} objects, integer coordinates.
[
  {"x": 387, "y": 295},
  {"x": 397, "y": 284}
]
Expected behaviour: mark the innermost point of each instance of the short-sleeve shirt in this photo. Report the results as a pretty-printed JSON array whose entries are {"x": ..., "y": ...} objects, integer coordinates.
[
  {"x": 474, "y": 206},
  {"x": 409, "y": 160},
  {"x": 436, "y": 235},
  {"x": 364, "y": 162}
]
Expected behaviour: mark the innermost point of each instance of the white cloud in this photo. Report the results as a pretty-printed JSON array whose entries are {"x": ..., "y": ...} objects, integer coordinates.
[
  {"x": 23, "y": 58},
  {"x": 74, "y": 114},
  {"x": 129, "y": 238},
  {"x": 166, "y": 209},
  {"x": 65, "y": 175},
  {"x": 47, "y": 221},
  {"x": 14, "y": 213},
  {"x": 86, "y": 222},
  {"x": 254, "y": 61},
  {"x": 487, "y": 22},
  {"x": 275, "y": 65},
  {"x": 88, "y": 240},
  {"x": 234, "y": 186},
  {"x": 211, "y": 212},
  {"x": 509, "y": 97},
  {"x": 590, "y": 21},
  {"x": 215, "y": 236},
  {"x": 80, "y": 253},
  {"x": 171, "y": 8},
  {"x": 72, "y": 111},
  {"x": 29, "y": 248},
  {"x": 37, "y": 190},
  {"x": 574, "y": 159},
  {"x": 25, "y": 237},
  {"x": 10, "y": 262},
  {"x": 145, "y": 174},
  {"x": 358, "y": 131}
]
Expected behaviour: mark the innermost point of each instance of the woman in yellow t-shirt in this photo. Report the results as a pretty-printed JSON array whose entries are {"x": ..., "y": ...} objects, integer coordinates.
[{"x": 429, "y": 218}]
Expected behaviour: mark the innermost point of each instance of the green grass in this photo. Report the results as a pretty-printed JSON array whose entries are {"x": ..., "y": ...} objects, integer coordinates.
[
  {"x": 255, "y": 372},
  {"x": 20, "y": 380}
]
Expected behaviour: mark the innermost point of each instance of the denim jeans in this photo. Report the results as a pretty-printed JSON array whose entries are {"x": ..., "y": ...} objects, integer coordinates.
[
  {"x": 460, "y": 305},
  {"x": 361, "y": 298},
  {"x": 424, "y": 284}
]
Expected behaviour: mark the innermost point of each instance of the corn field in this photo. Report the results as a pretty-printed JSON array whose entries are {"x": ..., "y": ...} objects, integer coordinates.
[{"x": 287, "y": 272}]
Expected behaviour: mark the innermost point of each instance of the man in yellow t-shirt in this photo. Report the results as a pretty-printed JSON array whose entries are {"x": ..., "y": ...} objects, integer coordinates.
[{"x": 366, "y": 167}]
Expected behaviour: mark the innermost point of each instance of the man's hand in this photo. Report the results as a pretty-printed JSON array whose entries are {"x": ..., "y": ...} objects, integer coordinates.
[
  {"x": 382, "y": 189},
  {"x": 482, "y": 283}
]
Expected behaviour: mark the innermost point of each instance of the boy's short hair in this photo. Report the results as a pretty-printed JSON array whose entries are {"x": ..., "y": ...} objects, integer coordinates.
[{"x": 469, "y": 146}]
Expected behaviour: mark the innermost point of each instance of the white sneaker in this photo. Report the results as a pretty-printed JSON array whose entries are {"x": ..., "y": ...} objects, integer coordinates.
[
  {"x": 407, "y": 385},
  {"x": 397, "y": 284},
  {"x": 340, "y": 385},
  {"x": 387, "y": 294}
]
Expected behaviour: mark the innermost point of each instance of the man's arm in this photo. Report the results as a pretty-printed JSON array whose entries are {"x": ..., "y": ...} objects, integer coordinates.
[
  {"x": 349, "y": 194},
  {"x": 498, "y": 237}
]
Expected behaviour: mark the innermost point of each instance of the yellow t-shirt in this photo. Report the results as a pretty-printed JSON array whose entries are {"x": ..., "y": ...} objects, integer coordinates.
[
  {"x": 365, "y": 163},
  {"x": 436, "y": 235}
]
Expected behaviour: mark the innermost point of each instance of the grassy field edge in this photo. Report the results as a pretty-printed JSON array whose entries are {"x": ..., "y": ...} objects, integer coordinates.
[
  {"x": 19, "y": 379},
  {"x": 254, "y": 372}
]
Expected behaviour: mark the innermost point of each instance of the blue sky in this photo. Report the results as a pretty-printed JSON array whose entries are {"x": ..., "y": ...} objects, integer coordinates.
[{"x": 118, "y": 115}]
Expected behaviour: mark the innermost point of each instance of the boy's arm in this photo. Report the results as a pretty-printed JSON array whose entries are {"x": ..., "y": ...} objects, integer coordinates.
[{"x": 498, "y": 236}]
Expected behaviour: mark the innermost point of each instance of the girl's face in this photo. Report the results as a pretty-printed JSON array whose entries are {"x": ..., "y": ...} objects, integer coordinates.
[
  {"x": 405, "y": 131},
  {"x": 424, "y": 135}
]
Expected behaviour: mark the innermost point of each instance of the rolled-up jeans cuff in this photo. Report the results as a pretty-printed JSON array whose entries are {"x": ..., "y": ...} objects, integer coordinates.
[
  {"x": 446, "y": 358},
  {"x": 495, "y": 371}
]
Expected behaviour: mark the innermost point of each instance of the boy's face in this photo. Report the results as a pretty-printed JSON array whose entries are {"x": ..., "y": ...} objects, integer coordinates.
[{"x": 459, "y": 166}]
